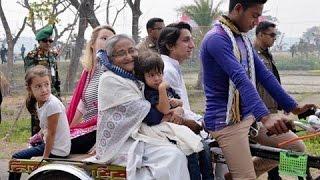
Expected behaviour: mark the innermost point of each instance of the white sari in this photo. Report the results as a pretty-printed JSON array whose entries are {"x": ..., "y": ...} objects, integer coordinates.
[{"x": 122, "y": 108}]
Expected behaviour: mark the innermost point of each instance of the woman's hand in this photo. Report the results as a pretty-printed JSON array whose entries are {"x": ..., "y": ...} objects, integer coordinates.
[
  {"x": 176, "y": 116},
  {"x": 175, "y": 102},
  {"x": 92, "y": 151}
]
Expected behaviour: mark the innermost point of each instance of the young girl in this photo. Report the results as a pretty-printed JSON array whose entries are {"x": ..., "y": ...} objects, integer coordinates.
[
  {"x": 149, "y": 69},
  {"x": 53, "y": 120}
]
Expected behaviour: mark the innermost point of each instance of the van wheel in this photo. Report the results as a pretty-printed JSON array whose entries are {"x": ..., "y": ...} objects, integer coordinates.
[{"x": 54, "y": 175}]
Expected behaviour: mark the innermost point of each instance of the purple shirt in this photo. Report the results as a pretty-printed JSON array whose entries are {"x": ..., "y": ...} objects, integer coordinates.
[{"x": 219, "y": 65}]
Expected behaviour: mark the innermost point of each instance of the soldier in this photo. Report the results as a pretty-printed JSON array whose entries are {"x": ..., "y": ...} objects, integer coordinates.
[
  {"x": 3, "y": 53},
  {"x": 42, "y": 55},
  {"x": 23, "y": 49},
  {"x": 154, "y": 26}
]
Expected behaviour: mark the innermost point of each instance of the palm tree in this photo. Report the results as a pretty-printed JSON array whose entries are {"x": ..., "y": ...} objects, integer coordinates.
[{"x": 203, "y": 12}]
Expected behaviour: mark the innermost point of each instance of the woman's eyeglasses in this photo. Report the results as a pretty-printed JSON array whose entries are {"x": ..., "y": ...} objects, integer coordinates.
[{"x": 124, "y": 53}]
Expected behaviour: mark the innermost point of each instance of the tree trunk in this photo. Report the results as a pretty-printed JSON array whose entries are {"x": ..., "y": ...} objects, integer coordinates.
[
  {"x": 10, "y": 60},
  {"x": 136, "y": 13},
  {"x": 199, "y": 84},
  {"x": 75, "y": 56},
  {"x": 10, "y": 41},
  {"x": 87, "y": 16},
  {"x": 135, "y": 27},
  {"x": 86, "y": 8}
]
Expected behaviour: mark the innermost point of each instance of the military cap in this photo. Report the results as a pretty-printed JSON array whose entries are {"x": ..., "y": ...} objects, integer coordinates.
[{"x": 44, "y": 33}]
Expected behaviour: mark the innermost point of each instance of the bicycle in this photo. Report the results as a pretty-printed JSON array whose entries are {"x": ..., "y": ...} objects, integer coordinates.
[{"x": 278, "y": 153}]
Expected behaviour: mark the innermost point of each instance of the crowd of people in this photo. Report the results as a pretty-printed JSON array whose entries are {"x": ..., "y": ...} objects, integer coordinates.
[{"x": 131, "y": 108}]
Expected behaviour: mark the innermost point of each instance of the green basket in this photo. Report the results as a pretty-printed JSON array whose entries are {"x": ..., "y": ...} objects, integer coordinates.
[{"x": 293, "y": 164}]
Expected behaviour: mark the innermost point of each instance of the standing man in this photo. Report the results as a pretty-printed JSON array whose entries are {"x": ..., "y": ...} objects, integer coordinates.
[
  {"x": 3, "y": 54},
  {"x": 42, "y": 55},
  {"x": 23, "y": 49},
  {"x": 230, "y": 70},
  {"x": 265, "y": 38},
  {"x": 154, "y": 26}
]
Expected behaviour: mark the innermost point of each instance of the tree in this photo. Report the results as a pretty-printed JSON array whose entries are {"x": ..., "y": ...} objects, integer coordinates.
[
  {"x": 87, "y": 16},
  {"x": 203, "y": 12},
  {"x": 11, "y": 41},
  {"x": 136, "y": 13},
  {"x": 87, "y": 10},
  {"x": 47, "y": 12},
  {"x": 312, "y": 36},
  {"x": 108, "y": 8}
]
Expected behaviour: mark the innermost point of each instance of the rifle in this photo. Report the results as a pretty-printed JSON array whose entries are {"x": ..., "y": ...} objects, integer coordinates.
[{"x": 57, "y": 81}]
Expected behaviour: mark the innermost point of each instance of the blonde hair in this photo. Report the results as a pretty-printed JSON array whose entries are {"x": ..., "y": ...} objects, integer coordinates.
[{"x": 87, "y": 61}]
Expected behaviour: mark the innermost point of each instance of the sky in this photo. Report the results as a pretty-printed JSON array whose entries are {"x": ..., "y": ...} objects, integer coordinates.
[{"x": 295, "y": 16}]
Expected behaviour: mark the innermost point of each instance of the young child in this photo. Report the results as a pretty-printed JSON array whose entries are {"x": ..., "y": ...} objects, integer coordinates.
[
  {"x": 149, "y": 69},
  {"x": 53, "y": 120}
]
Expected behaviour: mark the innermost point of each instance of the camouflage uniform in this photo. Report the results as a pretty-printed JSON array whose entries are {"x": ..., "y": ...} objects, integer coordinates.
[
  {"x": 47, "y": 59},
  {"x": 267, "y": 58},
  {"x": 147, "y": 44}
]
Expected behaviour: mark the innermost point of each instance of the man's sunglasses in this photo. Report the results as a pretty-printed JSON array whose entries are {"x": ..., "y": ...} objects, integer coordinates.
[
  {"x": 271, "y": 34},
  {"x": 47, "y": 40}
]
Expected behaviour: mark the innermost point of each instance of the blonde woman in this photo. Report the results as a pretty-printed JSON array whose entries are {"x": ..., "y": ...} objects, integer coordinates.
[{"x": 83, "y": 109}]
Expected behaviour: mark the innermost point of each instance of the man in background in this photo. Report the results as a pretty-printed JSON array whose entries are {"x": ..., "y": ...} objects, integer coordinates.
[
  {"x": 265, "y": 38},
  {"x": 23, "y": 49},
  {"x": 154, "y": 26}
]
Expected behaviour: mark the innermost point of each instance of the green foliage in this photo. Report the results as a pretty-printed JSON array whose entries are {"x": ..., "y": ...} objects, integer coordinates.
[
  {"x": 21, "y": 131},
  {"x": 313, "y": 146},
  {"x": 44, "y": 11},
  {"x": 203, "y": 13},
  {"x": 312, "y": 34},
  {"x": 286, "y": 62}
]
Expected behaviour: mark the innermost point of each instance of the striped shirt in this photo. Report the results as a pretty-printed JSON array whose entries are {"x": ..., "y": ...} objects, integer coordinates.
[{"x": 90, "y": 94}]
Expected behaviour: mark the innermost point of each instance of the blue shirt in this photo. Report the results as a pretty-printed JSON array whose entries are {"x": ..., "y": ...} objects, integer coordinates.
[
  {"x": 154, "y": 117},
  {"x": 219, "y": 65}
]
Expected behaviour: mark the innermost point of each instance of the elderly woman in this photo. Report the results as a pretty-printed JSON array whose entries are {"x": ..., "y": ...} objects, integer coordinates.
[
  {"x": 122, "y": 108},
  {"x": 83, "y": 110}
]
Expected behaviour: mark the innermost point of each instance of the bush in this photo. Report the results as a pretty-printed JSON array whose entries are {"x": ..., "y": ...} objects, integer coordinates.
[{"x": 286, "y": 62}]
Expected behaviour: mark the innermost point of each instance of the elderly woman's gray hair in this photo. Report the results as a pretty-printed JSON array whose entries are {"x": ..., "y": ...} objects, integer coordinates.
[{"x": 112, "y": 41}]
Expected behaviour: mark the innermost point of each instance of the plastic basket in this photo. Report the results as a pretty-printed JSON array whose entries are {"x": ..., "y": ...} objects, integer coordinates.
[{"x": 293, "y": 164}]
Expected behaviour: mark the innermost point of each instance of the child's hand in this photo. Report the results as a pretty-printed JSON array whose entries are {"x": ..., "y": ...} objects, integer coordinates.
[
  {"x": 175, "y": 102},
  {"x": 36, "y": 139},
  {"x": 163, "y": 85}
]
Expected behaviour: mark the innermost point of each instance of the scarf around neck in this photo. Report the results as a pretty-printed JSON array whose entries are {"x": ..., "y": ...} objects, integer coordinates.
[
  {"x": 107, "y": 65},
  {"x": 233, "y": 114}
]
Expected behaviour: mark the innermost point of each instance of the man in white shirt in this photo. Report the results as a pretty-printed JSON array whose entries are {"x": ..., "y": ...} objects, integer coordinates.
[{"x": 175, "y": 45}]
